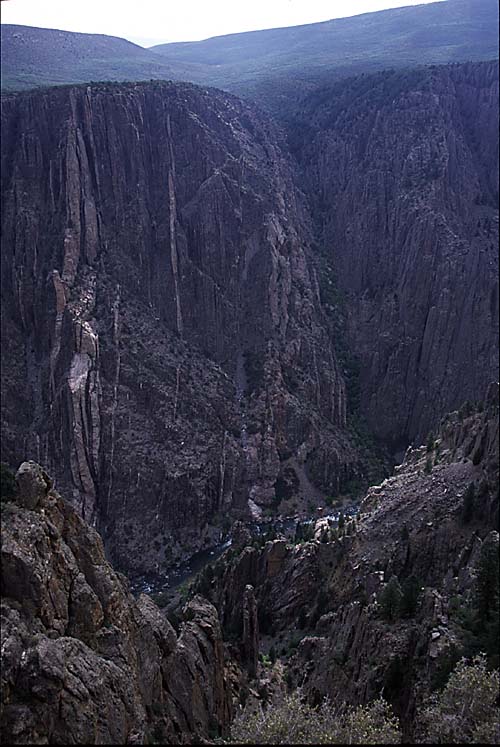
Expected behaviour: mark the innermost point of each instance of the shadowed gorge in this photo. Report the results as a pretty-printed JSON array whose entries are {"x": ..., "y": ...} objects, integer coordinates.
[
  {"x": 153, "y": 245},
  {"x": 250, "y": 437},
  {"x": 402, "y": 173}
]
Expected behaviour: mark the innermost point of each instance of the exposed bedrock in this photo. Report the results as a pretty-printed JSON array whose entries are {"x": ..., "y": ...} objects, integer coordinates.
[
  {"x": 402, "y": 173},
  {"x": 83, "y": 662},
  {"x": 153, "y": 246}
]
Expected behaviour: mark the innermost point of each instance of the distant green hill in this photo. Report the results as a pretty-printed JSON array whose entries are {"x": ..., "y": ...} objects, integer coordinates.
[
  {"x": 265, "y": 65},
  {"x": 450, "y": 31},
  {"x": 34, "y": 57}
]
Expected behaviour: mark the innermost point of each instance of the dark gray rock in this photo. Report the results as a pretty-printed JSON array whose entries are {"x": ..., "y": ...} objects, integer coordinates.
[{"x": 32, "y": 483}]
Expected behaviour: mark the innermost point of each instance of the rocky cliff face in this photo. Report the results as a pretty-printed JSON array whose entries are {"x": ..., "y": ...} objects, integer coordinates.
[
  {"x": 325, "y": 596},
  {"x": 164, "y": 348},
  {"x": 82, "y": 661},
  {"x": 402, "y": 172}
]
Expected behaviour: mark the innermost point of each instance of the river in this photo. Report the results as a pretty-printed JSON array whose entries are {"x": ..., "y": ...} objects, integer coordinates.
[{"x": 184, "y": 572}]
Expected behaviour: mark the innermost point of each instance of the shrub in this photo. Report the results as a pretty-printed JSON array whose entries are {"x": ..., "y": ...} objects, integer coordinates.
[
  {"x": 466, "y": 711},
  {"x": 290, "y": 720}
]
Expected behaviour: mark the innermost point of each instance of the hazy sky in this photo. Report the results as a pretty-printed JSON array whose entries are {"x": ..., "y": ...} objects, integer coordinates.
[{"x": 150, "y": 22}]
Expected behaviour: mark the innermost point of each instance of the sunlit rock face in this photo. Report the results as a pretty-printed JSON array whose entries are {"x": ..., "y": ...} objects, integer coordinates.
[
  {"x": 402, "y": 173},
  {"x": 164, "y": 346}
]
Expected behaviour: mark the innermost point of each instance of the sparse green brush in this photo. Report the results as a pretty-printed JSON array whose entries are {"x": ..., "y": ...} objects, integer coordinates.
[
  {"x": 290, "y": 720},
  {"x": 466, "y": 711}
]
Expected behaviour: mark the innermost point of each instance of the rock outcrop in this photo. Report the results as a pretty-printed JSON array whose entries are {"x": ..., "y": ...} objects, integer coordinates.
[
  {"x": 401, "y": 169},
  {"x": 326, "y": 596},
  {"x": 83, "y": 662},
  {"x": 164, "y": 345}
]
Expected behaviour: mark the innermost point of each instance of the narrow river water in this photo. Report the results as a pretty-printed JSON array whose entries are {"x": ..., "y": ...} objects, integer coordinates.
[{"x": 184, "y": 572}]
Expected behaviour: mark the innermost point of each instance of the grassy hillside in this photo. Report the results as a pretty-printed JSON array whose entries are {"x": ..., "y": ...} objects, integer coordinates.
[
  {"x": 265, "y": 65},
  {"x": 450, "y": 31},
  {"x": 38, "y": 57}
]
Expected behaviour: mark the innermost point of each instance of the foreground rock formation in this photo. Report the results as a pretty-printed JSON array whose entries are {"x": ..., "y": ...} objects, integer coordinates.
[
  {"x": 83, "y": 662},
  {"x": 321, "y": 603}
]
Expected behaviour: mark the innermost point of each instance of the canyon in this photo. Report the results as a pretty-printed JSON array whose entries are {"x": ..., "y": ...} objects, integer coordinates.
[
  {"x": 83, "y": 661},
  {"x": 176, "y": 255},
  {"x": 250, "y": 367},
  {"x": 205, "y": 314}
]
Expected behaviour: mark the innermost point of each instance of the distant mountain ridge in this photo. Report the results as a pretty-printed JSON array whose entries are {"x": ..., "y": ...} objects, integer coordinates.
[
  {"x": 33, "y": 57},
  {"x": 261, "y": 64}
]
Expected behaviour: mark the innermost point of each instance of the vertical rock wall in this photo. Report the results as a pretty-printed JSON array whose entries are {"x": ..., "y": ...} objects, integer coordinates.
[
  {"x": 402, "y": 173},
  {"x": 151, "y": 239}
]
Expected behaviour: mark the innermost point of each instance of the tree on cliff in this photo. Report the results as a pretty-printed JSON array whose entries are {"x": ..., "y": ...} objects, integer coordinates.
[
  {"x": 468, "y": 503},
  {"x": 390, "y": 599},
  {"x": 410, "y": 594}
]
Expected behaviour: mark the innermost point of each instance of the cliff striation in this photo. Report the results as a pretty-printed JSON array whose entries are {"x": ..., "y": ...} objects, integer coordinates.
[
  {"x": 165, "y": 348},
  {"x": 401, "y": 169}
]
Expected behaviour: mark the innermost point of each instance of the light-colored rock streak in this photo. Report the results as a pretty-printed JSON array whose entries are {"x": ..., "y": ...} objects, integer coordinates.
[
  {"x": 84, "y": 387},
  {"x": 173, "y": 227},
  {"x": 116, "y": 340}
]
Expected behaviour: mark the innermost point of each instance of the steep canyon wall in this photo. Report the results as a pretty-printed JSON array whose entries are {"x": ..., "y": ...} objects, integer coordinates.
[
  {"x": 401, "y": 170},
  {"x": 164, "y": 345}
]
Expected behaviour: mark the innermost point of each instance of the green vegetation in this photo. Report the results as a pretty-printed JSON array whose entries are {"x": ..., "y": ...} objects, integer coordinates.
[
  {"x": 410, "y": 595},
  {"x": 7, "y": 483},
  {"x": 479, "y": 616},
  {"x": 290, "y": 720},
  {"x": 272, "y": 654},
  {"x": 466, "y": 711},
  {"x": 265, "y": 660},
  {"x": 468, "y": 504},
  {"x": 161, "y": 598},
  {"x": 390, "y": 599}
]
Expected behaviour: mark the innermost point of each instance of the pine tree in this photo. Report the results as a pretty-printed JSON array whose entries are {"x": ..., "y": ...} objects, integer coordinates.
[
  {"x": 486, "y": 596},
  {"x": 409, "y": 600},
  {"x": 468, "y": 504},
  {"x": 390, "y": 599}
]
